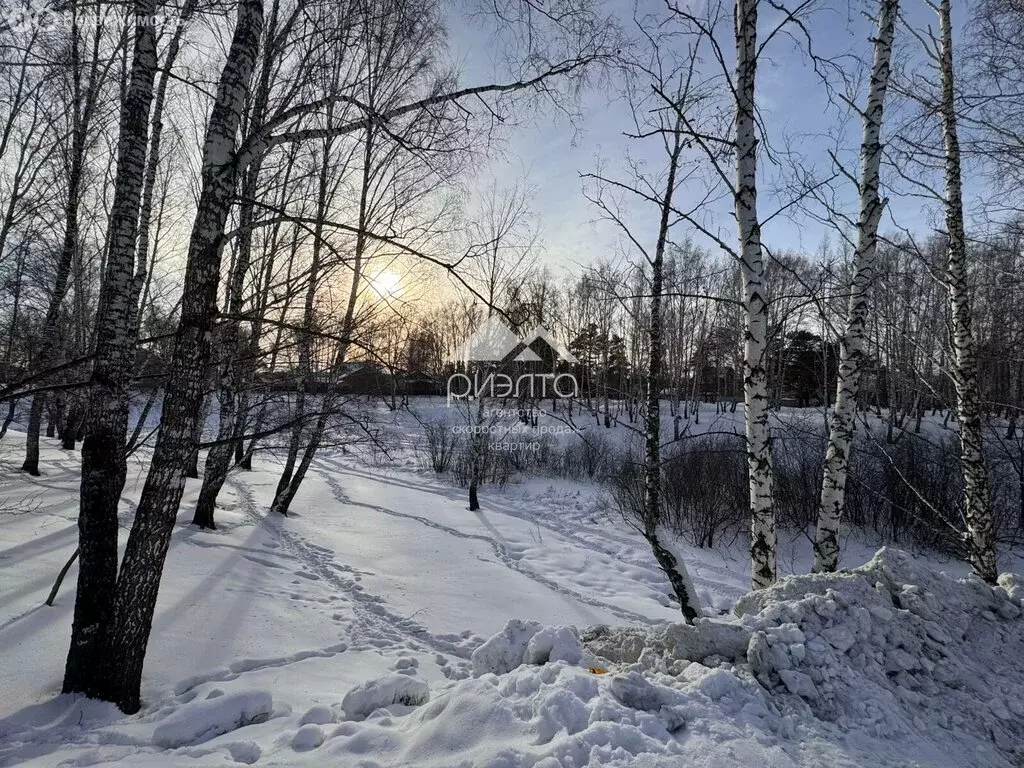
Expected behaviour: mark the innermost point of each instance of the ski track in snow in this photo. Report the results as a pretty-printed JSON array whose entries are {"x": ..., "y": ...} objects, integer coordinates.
[
  {"x": 590, "y": 542},
  {"x": 502, "y": 552},
  {"x": 382, "y": 628},
  {"x": 375, "y": 626}
]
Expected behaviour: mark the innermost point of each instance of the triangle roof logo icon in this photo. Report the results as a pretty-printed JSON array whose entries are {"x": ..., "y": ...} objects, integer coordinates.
[
  {"x": 527, "y": 356},
  {"x": 542, "y": 333},
  {"x": 493, "y": 340}
]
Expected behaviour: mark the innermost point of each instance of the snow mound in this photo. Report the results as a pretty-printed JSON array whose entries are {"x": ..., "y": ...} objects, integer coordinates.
[
  {"x": 309, "y": 736},
  {"x": 200, "y": 721},
  {"x": 320, "y": 714},
  {"x": 367, "y": 697},
  {"x": 544, "y": 716},
  {"x": 703, "y": 640},
  {"x": 527, "y": 642},
  {"x": 889, "y": 664},
  {"x": 554, "y": 644},
  {"x": 894, "y": 647},
  {"x": 504, "y": 651},
  {"x": 246, "y": 752}
]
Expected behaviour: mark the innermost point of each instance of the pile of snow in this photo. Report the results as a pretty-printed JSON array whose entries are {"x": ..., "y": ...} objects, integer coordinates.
[
  {"x": 526, "y": 642},
  {"x": 372, "y": 695},
  {"x": 889, "y": 664},
  {"x": 321, "y": 714},
  {"x": 309, "y": 736},
  {"x": 200, "y": 721},
  {"x": 707, "y": 640},
  {"x": 893, "y": 647}
]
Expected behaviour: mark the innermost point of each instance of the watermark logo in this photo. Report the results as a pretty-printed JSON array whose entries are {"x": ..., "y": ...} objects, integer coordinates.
[
  {"x": 43, "y": 17},
  {"x": 494, "y": 342}
]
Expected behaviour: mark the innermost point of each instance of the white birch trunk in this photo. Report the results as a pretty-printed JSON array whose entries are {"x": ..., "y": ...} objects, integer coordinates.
[
  {"x": 218, "y": 458},
  {"x": 670, "y": 562},
  {"x": 138, "y": 581},
  {"x": 103, "y": 449},
  {"x": 755, "y": 377},
  {"x": 980, "y": 532},
  {"x": 852, "y": 345}
]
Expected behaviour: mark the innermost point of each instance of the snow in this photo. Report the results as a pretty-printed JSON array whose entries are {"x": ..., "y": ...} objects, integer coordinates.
[
  {"x": 505, "y": 651},
  {"x": 318, "y": 715},
  {"x": 366, "y": 698},
  {"x": 892, "y": 644},
  {"x": 554, "y": 644},
  {"x": 309, "y": 736},
  {"x": 200, "y": 721},
  {"x": 383, "y": 624},
  {"x": 526, "y": 642}
]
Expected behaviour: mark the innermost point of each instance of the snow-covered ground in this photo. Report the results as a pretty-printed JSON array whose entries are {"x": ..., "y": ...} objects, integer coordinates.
[{"x": 353, "y": 634}]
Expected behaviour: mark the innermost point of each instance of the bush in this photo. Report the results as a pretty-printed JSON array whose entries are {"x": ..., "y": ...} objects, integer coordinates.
[
  {"x": 589, "y": 456},
  {"x": 441, "y": 445},
  {"x": 495, "y": 467},
  {"x": 704, "y": 488},
  {"x": 908, "y": 492},
  {"x": 798, "y": 456}
]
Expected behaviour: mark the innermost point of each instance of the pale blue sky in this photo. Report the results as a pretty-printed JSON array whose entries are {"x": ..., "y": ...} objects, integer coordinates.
[{"x": 547, "y": 151}]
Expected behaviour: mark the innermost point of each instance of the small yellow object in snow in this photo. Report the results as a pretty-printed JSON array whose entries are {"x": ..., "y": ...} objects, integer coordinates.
[{"x": 598, "y": 670}]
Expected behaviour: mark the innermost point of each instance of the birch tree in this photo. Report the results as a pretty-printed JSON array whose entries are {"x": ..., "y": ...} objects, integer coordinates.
[
  {"x": 295, "y": 466},
  {"x": 502, "y": 243},
  {"x": 126, "y": 628},
  {"x": 113, "y": 645},
  {"x": 27, "y": 146},
  {"x": 387, "y": 170},
  {"x": 730, "y": 148},
  {"x": 852, "y": 347},
  {"x": 755, "y": 303},
  {"x": 670, "y": 563},
  {"x": 88, "y": 69},
  {"x": 218, "y": 458},
  {"x": 980, "y": 533},
  {"x": 662, "y": 85},
  {"x": 103, "y": 454}
]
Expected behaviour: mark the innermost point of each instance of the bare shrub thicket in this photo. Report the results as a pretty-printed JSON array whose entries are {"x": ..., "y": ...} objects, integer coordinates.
[
  {"x": 441, "y": 445},
  {"x": 588, "y": 457},
  {"x": 704, "y": 487},
  {"x": 495, "y": 467},
  {"x": 703, "y": 481},
  {"x": 529, "y": 452},
  {"x": 907, "y": 492},
  {"x": 797, "y": 452},
  {"x": 625, "y": 487}
]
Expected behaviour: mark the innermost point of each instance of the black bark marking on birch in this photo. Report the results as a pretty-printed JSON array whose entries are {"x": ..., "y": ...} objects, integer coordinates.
[
  {"x": 103, "y": 449},
  {"x": 138, "y": 582},
  {"x": 980, "y": 533}
]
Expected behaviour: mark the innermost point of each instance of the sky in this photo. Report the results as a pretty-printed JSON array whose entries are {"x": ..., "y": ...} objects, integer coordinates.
[{"x": 551, "y": 152}]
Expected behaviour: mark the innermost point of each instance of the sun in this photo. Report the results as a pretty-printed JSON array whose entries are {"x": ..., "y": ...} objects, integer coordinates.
[{"x": 387, "y": 284}]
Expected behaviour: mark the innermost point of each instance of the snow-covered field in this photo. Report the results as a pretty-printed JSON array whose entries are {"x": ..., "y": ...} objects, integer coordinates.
[{"x": 353, "y": 634}]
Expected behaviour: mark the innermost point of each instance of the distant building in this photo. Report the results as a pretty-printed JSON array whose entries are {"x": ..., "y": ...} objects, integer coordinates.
[{"x": 357, "y": 378}]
